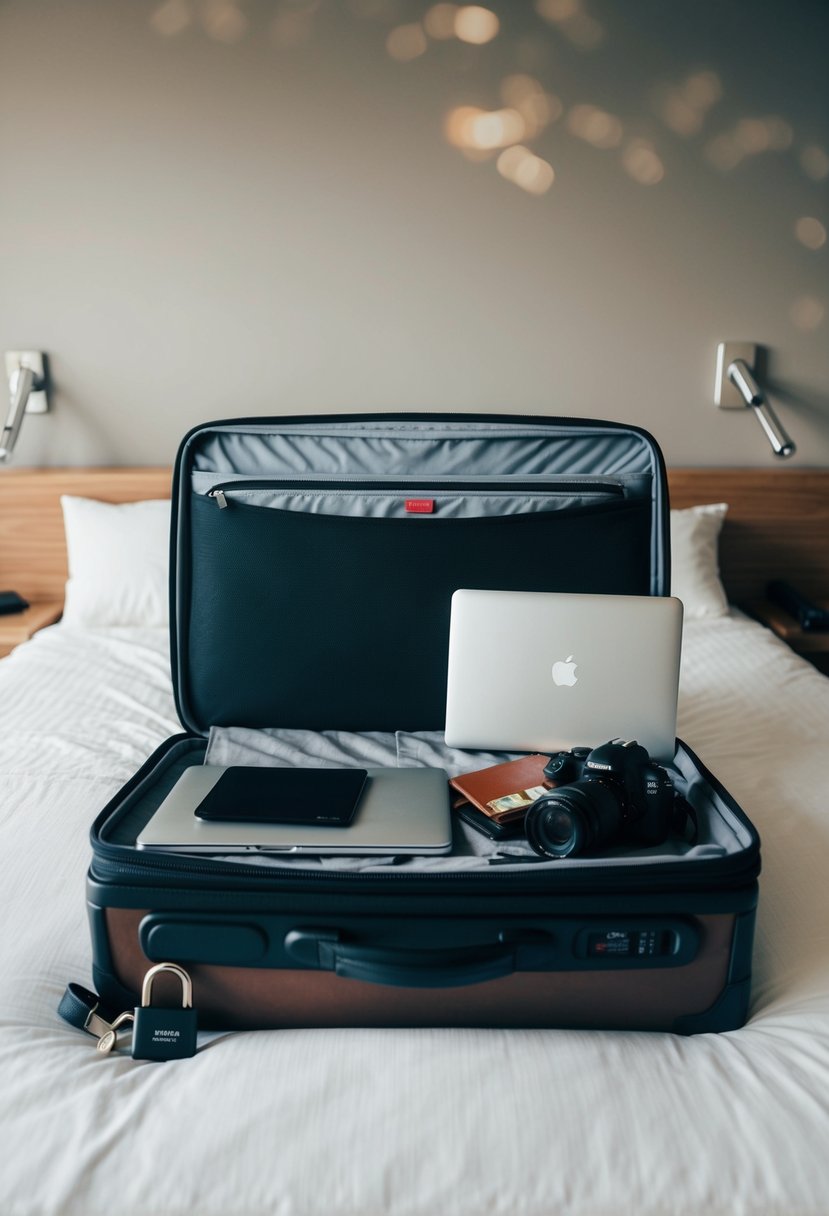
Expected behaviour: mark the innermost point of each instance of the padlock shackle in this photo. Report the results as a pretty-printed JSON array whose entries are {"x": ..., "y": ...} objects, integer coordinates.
[{"x": 186, "y": 983}]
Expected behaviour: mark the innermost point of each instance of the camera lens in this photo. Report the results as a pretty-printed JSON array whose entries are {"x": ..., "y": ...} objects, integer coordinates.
[
  {"x": 559, "y": 826},
  {"x": 572, "y": 820}
]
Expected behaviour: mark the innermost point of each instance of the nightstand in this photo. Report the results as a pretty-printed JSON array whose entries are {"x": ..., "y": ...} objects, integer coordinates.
[
  {"x": 813, "y": 646},
  {"x": 17, "y": 627}
]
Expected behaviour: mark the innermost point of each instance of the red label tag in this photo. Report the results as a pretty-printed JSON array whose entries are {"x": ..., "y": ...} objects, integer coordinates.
[{"x": 420, "y": 506}]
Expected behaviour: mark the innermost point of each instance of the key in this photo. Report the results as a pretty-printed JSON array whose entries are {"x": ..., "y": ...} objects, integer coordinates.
[{"x": 107, "y": 1040}]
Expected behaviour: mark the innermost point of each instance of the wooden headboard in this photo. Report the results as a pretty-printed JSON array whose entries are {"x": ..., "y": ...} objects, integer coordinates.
[
  {"x": 32, "y": 548},
  {"x": 777, "y": 524}
]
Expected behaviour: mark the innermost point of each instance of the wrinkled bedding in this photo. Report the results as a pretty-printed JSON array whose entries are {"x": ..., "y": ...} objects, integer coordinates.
[{"x": 409, "y": 1123}]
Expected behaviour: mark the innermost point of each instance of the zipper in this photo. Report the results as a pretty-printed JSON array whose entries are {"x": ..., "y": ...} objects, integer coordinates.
[
  {"x": 434, "y": 425},
  {"x": 109, "y": 862},
  {"x": 266, "y": 883},
  {"x": 339, "y": 485}
]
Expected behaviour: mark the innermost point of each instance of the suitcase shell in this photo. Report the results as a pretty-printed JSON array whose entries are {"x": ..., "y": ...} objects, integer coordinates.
[{"x": 303, "y": 547}]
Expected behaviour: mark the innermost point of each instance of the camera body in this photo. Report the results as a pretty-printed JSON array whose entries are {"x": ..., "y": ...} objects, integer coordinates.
[{"x": 612, "y": 794}]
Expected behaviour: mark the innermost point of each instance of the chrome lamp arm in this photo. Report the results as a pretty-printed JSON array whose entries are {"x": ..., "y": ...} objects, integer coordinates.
[{"x": 740, "y": 375}]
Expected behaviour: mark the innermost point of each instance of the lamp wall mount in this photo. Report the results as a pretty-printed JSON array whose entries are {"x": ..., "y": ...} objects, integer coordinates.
[
  {"x": 726, "y": 394},
  {"x": 38, "y": 401}
]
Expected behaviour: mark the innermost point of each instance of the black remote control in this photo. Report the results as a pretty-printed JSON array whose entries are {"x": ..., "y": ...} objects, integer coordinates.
[
  {"x": 10, "y": 602},
  {"x": 809, "y": 616}
]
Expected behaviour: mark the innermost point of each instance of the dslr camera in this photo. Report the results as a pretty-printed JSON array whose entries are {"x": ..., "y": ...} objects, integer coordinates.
[{"x": 614, "y": 794}]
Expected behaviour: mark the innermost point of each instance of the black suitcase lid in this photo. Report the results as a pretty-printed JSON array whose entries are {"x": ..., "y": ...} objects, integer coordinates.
[{"x": 247, "y": 650}]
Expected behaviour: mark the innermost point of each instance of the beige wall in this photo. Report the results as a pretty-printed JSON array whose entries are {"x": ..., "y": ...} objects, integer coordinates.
[{"x": 208, "y": 223}]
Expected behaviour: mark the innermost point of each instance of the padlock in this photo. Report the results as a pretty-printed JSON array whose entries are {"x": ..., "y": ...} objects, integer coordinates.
[{"x": 164, "y": 1034}]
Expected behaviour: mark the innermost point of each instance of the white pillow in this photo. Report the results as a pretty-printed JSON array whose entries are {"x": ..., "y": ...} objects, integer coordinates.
[
  {"x": 118, "y": 562},
  {"x": 695, "y": 567}
]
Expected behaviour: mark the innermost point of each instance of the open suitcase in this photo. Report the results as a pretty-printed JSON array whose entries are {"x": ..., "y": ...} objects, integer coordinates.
[{"x": 312, "y": 565}]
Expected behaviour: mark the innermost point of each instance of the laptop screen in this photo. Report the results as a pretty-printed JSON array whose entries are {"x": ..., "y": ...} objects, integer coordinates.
[{"x": 541, "y": 671}]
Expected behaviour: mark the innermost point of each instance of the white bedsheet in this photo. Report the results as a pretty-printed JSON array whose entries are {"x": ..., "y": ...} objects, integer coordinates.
[{"x": 428, "y": 1122}]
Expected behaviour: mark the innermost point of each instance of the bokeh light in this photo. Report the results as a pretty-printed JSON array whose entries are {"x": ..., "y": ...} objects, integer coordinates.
[
  {"x": 439, "y": 21},
  {"x": 810, "y": 232},
  {"x": 595, "y": 126},
  {"x": 497, "y": 129},
  {"x": 223, "y": 21},
  {"x": 678, "y": 114},
  {"x": 573, "y": 21},
  {"x": 527, "y": 107},
  {"x": 406, "y": 42},
  {"x": 807, "y": 313},
  {"x": 458, "y": 125},
  {"x": 702, "y": 89},
  {"x": 641, "y": 162},
  {"x": 814, "y": 162},
  {"x": 476, "y": 24},
  {"x": 537, "y": 107},
  {"x": 171, "y": 18},
  {"x": 684, "y": 107},
  {"x": 470, "y": 127},
  {"x": 523, "y": 168},
  {"x": 556, "y": 11},
  {"x": 749, "y": 137}
]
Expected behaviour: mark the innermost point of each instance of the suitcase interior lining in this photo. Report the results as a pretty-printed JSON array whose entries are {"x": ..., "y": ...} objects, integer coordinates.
[
  {"x": 327, "y": 621},
  {"x": 720, "y": 831},
  {"x": 281, "y": 573},
  {"x": 380, "y": 448}
]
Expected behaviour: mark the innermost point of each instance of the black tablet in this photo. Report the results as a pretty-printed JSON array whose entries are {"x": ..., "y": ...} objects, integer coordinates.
[{"x": 284, "y": 795}]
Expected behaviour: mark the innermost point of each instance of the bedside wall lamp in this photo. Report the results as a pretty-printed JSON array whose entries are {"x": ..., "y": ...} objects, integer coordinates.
[
  {"x": 26, "y": 374},
  {"x": 736, "y": 388}
]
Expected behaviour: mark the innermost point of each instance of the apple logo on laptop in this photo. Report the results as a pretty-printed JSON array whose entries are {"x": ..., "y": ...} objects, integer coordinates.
[{"x": 564, "y": 673}]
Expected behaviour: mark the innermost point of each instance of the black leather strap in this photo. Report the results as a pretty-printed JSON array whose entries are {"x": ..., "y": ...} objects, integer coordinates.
[{"x": 82, "y": 1009}]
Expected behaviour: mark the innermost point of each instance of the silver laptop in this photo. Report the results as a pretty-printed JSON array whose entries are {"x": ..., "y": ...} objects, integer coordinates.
[
  {"x": 401, "y": 811},
  {"x": 538, "y": 671}
]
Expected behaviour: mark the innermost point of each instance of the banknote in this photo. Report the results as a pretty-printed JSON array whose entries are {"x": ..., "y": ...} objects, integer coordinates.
[{"x": 519, "y": 801}]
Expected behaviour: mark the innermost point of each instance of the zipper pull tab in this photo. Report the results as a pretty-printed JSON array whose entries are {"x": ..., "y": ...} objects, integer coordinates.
[{"x": 219, "y": 496}]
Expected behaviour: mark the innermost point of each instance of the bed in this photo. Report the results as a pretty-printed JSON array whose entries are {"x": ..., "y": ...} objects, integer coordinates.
[{"x": 363, "y": 1123}]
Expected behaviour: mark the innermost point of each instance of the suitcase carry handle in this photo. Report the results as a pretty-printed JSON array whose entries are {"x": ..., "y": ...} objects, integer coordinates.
[{"x": 326, "y": 950}]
